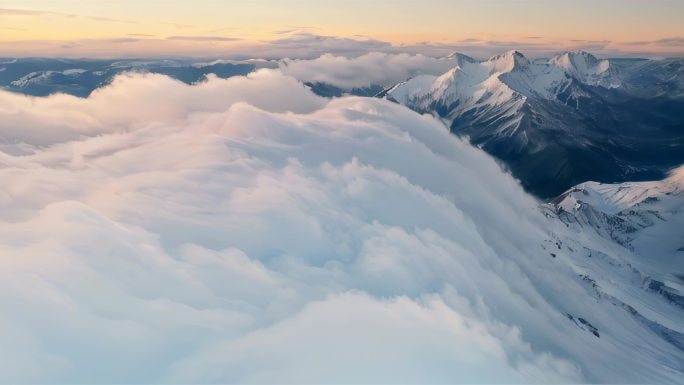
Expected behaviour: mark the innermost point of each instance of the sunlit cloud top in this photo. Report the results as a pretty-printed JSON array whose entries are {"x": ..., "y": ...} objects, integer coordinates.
[{"x": 270, "y": 28}]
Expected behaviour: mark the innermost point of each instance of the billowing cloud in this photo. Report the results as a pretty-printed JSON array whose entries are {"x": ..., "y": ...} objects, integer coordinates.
[
  {"x": 124, "y": 104},
  {"x": 427, "y": 336},
  {"x": 246, "y": 230},
  {"x": 370, "y": 69}
]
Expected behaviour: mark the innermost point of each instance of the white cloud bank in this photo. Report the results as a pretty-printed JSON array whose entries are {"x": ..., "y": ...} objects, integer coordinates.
[
  {"x": 373, "y": 68},
  {"x": 245, "y": 230}
]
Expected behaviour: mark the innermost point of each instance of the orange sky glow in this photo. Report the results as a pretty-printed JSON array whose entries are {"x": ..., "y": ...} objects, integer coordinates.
[{"x": 270, "y": 28}]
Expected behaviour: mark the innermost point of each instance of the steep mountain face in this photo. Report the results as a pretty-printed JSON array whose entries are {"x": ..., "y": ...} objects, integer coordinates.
[
  {"x": 646, "y": 217},
  {"x": 645, "y": 274},
  {"x": 558, "y": 122},
  {"x": 652, "y": 78},
  {"x": 588, "y": 69}
]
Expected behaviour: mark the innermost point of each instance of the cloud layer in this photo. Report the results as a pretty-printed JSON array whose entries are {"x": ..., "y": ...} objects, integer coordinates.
[
  {"x": 374, "y": 68},
  {"x": 246, "y": 230}
]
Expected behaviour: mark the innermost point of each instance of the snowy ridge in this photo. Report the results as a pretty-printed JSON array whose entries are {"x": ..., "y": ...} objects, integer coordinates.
[
  {"x": 504, "y": 80},
  {"x": 41, "y": 76},
  {"x": 507, "y": 62},
  {"x": 560, "y": 121},
  {"x": 645, "y": 217},
  {"x": 460, "y": 58},
  {"x": 588, "y": 69},
  {"x": 614, "y": 198},
  {"x": 641, "y": 271},
  {"x": 469, "y": 85}
]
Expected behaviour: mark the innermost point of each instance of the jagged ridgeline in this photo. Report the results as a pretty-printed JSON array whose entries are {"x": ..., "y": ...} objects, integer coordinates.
[{"x": 561, "y": 121}]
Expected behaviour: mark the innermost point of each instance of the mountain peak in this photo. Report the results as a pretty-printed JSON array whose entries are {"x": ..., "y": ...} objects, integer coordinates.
[
  {"x": 514, "y": 53},
  {"x": 575, "y": 59},
  {"x": 507, "y": 61},
  {"x": 586, "y": 67},
  {"x": 460, "y": 56},
  {"x": 461, "y": 59}
]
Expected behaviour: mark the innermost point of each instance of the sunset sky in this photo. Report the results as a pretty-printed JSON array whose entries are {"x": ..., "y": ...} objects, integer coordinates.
[{"x": 289, "y": 27}]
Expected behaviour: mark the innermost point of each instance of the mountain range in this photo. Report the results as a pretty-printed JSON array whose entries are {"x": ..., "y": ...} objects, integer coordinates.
[{"x": 561, "y": 121}]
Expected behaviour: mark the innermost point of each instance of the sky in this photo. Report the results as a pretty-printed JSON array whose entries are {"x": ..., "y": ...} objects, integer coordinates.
[{"x": 282, "y": 27}]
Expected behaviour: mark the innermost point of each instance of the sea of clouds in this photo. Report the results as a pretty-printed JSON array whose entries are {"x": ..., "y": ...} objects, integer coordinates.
[{"x": 246, "y": 230}]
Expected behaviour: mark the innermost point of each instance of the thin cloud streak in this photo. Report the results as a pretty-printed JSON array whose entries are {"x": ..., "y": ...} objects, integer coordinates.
[
  {"x": 203, "y": 38},
  {"x": 31, "y": 12},
  {"x": 305, "y": 45}
]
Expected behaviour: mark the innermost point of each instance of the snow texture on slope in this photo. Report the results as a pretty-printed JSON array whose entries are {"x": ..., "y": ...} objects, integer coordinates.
[
  {"x": 503, "y": 80},
  {"x": 559, "y": 122}
]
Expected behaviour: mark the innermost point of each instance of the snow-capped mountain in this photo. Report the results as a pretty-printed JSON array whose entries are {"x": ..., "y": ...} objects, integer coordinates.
[
  {"x": 561, "y": 121},
  {"x": 586, "y": 68},
  {"x": 502, "y": 80},
  {"x": 646, "y": 217},
  {"x": 640, "y": 269}
]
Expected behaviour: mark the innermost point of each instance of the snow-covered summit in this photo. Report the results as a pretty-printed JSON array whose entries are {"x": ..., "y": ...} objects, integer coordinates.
[
  {"x": 507, "y": 62},
  {"x": 644, "y": 216},
  {"x": 615, "y": 198},
  {"x": 560, "y": 121},
  {"x": 587, "y": 68},
  {"x": 474, "y": 82},
  {"x": 460, "y": 58},
  {"x": 503, "y": 80},
  {"x": 468, "y": 85},
  {"x": 536, "y": 78}
]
